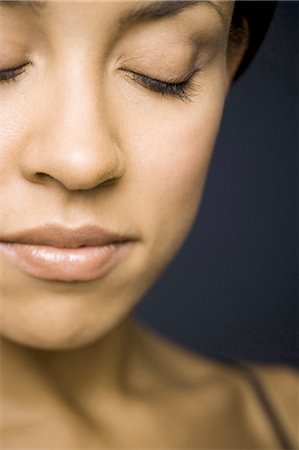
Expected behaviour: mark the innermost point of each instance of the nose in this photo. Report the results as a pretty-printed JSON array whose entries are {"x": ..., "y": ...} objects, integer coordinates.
[{"x": 71, "y": 142}]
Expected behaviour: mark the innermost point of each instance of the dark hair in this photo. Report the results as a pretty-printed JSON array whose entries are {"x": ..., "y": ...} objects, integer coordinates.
[{"x": 258, "y": 15}]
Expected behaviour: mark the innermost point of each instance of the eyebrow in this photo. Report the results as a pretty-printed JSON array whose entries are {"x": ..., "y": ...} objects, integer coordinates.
[
  {"x": 165, "y": 8},
  {"x": 148, "y": 12},
  {"x": 34, "y": 6}
]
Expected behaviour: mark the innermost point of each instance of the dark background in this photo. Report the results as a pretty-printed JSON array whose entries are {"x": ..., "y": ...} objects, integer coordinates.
[{"x": 231, "y": 292}]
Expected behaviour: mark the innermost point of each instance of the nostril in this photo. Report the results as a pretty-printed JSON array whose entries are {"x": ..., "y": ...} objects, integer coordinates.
[
  {"x": 109, "y": 182},
  {"x": 41, "y": 176}
]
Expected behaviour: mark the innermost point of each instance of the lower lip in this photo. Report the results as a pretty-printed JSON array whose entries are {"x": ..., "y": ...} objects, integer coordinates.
[{"x": 65, "y": 264}]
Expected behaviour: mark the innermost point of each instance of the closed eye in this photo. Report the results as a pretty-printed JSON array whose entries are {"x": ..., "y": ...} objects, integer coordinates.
[
  {"x": 182, "y": 90},
  {"x": 11, "y": 74}
]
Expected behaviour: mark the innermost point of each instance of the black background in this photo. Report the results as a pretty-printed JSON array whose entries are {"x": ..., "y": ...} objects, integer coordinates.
[{"x": 231, "y": 291}]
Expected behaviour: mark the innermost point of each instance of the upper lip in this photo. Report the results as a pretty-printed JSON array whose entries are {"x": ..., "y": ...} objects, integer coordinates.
[{"x": 65, "y": 237}]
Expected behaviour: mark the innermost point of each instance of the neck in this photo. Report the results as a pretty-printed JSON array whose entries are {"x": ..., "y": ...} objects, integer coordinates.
[{"x": 79, "y": 373}]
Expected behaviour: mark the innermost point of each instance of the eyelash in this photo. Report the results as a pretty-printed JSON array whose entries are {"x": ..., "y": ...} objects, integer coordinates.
[
  {"x": 11, "y": 75},
  {"x": 182, "y": 90}
]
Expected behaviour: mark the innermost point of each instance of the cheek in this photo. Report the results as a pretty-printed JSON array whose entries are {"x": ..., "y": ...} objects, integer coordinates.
[
  {"x": 18, "y": 116},
  {"x": 170, "y": 155}
]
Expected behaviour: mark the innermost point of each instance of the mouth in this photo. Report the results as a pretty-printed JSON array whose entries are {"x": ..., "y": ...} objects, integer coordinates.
[{"x": 57, "y": 253}]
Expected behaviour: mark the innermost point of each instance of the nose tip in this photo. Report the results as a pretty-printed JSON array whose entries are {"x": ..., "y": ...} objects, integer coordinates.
[
  {"x": 88, "y": 168},
  {"x": 79, "y": 168}
]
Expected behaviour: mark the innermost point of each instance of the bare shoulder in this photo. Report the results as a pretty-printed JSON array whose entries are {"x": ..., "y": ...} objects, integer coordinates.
[
  {"x": 281, "y": 385},
  {"x": 230, "y": 393}
]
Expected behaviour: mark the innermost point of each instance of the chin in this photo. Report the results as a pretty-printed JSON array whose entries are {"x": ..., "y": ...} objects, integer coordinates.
[
  {"x": 60, "y": 327},
  {"x": 56, "y": 338}
]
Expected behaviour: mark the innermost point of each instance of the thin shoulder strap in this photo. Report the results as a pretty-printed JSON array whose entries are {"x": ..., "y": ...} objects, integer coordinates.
[{"x": 266, "y": 403}]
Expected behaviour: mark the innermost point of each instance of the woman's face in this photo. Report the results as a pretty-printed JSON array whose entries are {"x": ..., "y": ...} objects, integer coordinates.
[{"x": 91, "y": 142}]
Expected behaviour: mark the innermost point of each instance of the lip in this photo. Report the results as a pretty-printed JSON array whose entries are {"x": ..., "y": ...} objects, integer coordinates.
[{"x": 54, "y": 252}]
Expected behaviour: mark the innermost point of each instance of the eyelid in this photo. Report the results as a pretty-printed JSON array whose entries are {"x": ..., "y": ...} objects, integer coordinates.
[
  {"x": 181, "y": 89},
  {"x": 172, "y": 79},
  {"x": 136, "y": 75},
  {"x": 11, "y": 73}
]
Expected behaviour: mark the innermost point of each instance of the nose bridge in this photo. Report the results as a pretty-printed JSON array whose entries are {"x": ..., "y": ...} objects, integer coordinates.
[
  {"x": 76, "y": 145},
  {"x": 79, "y": 126}
]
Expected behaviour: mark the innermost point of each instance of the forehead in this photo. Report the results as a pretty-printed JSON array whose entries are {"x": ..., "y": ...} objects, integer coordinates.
[{"x": 130, "y": 12}]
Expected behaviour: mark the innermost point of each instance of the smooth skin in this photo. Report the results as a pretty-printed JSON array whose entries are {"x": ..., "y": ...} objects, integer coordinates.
[{"x": 83, "y": 141}]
